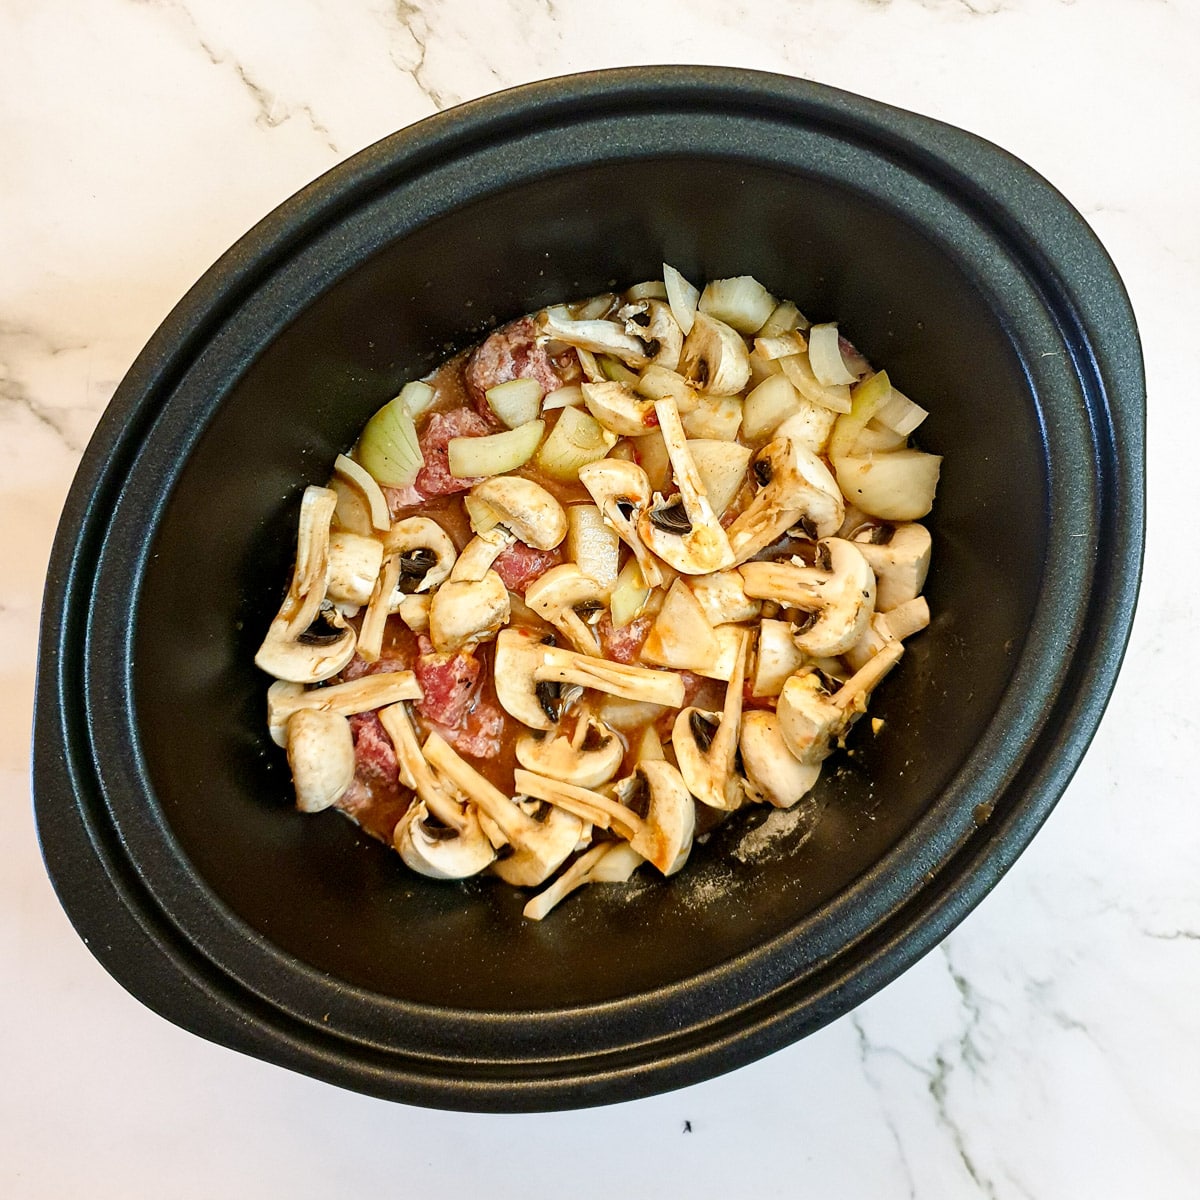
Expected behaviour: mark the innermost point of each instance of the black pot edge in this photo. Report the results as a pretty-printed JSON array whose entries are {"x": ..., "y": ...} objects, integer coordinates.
[{"x": 106, "y": 908}]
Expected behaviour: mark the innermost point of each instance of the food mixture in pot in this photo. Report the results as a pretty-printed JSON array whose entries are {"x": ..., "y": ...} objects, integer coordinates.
[{"x": 623, "y": 568}]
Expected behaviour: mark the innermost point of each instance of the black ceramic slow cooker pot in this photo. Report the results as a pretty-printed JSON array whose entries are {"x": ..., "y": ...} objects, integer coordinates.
[{"x": 164, "y": 810}]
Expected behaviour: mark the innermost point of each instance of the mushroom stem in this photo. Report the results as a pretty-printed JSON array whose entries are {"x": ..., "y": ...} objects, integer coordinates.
[
  {"x": 583, "y": 802},
  {"x": 710, "y": 773},
  {"x": 414, "y": 770},
  {"x": 615, "y": 679},
  {"x": 702, "y": 546},
  {"x": 516, "y": 826},
  {"x": 843, "y": 595},
  {"x": 609, "y": 862},
  {"x": 345, "y": 699}
]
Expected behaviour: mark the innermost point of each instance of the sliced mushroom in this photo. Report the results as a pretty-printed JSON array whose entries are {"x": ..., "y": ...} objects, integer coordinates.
[
  {"x": 773, "y": 773},
  {"x": 320, "y": 750},
  {"x": 539, "y": 846},
  {"x": 842, "y": 596},
  {"x": 355, "y": 696},
  {"x": 440, "y": 851},
  {"x": 427, "y": 556},
  {"x": 794, "y": 488},
  {"x": 622, "y": 492},
  {"x": 657, "y": 793},
  {"x": 529, "y": 677},
  {"x": 651, "y": 320},
  {"x": 908, "y": 618},
  {"x": 587, "y": 804},
  {"x": 566, "y": 597},
  {"x": 810, "y": 717},
  {"x": 592, "y": 755},
  {"x": 473, "y": 603},
  {"x": 706, "y": 744},
  {"x": 683, "y": 531},
  {"x": 308, "y": 640},
  {"x": 619, "y": 408},
  {"x": 525, "y": 509},
  {"x": 609, "y": 862},
  {"x": 599, "y": 337},
  {"x": 436, "y": 794},
  {"x": 354, "y": 563},
  {"x": 714, "y": 357},
  {"x": 899, "y": 556}
]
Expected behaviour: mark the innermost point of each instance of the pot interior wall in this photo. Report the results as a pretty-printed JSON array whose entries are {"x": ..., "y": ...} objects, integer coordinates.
[{"x": 322, "y": 892}]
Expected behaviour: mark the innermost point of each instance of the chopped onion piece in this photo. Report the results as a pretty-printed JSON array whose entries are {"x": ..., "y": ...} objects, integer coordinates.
[
  {"x": 589, "y": 365},
  {"x": 767, "y": 407},
  {"x": 479, "y": 457},
  {"x": 596, "y": 308},
  {"x": 784, "y": 319},
  {"x": 629, "y": 596},
  {"x": 615, "y": 370},
  {"x": 351, "y": 471},
  {"x": 652, "y": 289},
  {"x": 894, "y": 487},
  {"x": 482, "y": 515},
  {"x": 875, "y": 439},
  {"x": 825, "y": 357},
  {"x": 417, "y": 396},
  {"x": 714, "y": 417},
  {"x": 352, "y": 512},
  {"x": 516, "y": 402},
  {"x": 682, "y": 297},
  {"x": 576, "y": 440},
  {"x": 570, "y": 396},
  {"x": 866, "y": 400},
  {"x": 741, "y": 302},
  {"x": 798, "y": 370},
  {"x": 593, "y": 545},
  {"x": 388, "y": 446},
  {"x": 900, "y": 414},
  {"x": 658, "y": 383},
  {"x": 779, "y": 346},
  {"x": 721, "y": 466}
]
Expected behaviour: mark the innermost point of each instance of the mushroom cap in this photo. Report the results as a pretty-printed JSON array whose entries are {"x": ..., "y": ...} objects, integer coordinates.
[
  {"x": 544, "y": 851},
  {"x": 808, "y": 717},
  {"x": 427, "y": 556},
  {"x": 613, "y": 480},
  {"x": 652, "y": 321},
  {"x": 320, "y": 750},
  {"x": 773, "y": 773},
  {"x": 525, "y": 508},
  {"x": 900, "y": 564},
  {"x": 847, "y": 602},
  {"x": 794, "y": 488},
  {"x": 595, "y": 761},
  {"x": 619, "y": 408},
  {"x": 695, "y": 766},
  {"x": 439, "y": 851},
  {"x": 312, "y": 655},
  {"x": 714, "y": 357},
  {"x": 354, "y": 563},
  {"x": 519, "y": 653},
  {"x": 558, "y": 593},
  {"x": 665, "y": 838},
  {"x": 466, "y": 611}
]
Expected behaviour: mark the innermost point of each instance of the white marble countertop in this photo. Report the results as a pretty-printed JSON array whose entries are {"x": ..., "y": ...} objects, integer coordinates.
[{"x": 1050, "y": 1048}]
